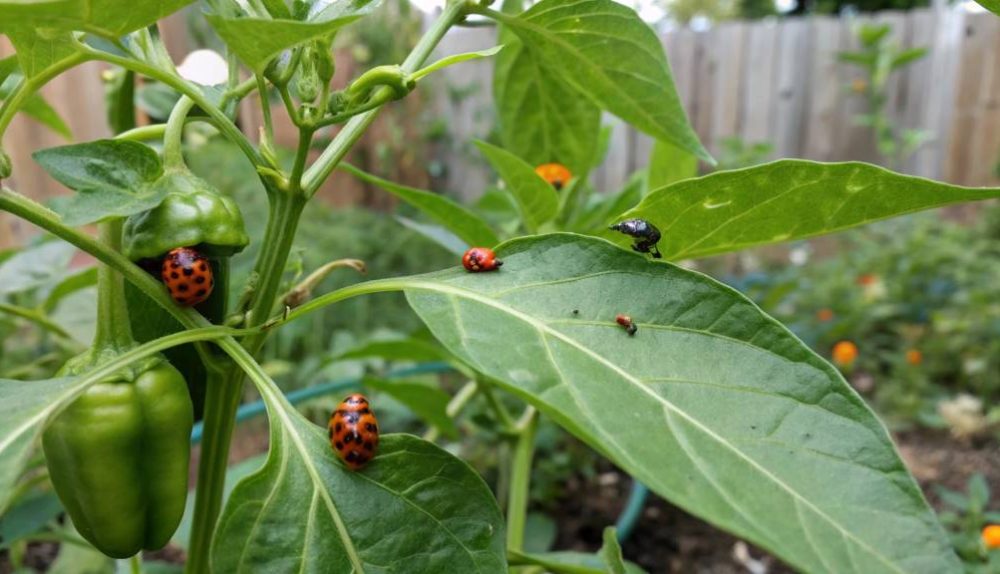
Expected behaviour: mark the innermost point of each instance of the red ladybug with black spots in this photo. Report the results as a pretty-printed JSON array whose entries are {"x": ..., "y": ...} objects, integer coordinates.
[
  {"x": 480, "y": 259},
  {"x": 354, "y": 431},
  {"x": 188, "y": 276}
]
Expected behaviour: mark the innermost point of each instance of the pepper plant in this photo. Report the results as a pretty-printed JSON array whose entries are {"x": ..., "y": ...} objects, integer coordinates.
[{"x": 703, "y": 398}]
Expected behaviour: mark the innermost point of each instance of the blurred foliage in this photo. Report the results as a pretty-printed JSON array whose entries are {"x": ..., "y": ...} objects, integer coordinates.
[
  {"x": 878, "y": 59},
  {"x": 918, "y": 298},
  {"x": 734, "y": 153},
  {"x": 965, "y": 514}
]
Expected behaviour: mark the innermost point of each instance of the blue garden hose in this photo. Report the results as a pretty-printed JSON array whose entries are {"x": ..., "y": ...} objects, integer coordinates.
[{"x": 626, "y": 520}]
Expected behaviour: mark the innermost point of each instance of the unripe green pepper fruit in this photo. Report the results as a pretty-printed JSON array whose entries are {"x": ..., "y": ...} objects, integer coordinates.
[
  {"x": 193, "y": 214},
  {"x": 118, "y": 458}
]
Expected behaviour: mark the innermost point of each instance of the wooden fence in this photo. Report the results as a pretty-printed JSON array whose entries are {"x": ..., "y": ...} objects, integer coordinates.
[
  {"x": 779, "y": 81},
  {"x": 770, "y": 81}
]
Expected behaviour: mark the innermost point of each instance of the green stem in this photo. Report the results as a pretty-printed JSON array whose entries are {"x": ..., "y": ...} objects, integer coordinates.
[
  {"x": 156, "y": 131},
  {"x": 173, "y": 137},
  {"x": 113, "y": 327},
  {"x": 520, "y": 480},
  {"x": 496, "y": 406},
  {"x": 29, "y": 86},
  {"x": 455, "y": 406},
  {"x": 135, "y": 564},
  {"x": 36, "y": 317},
  {"x": 355, "y": 128},
  {"x": 225, "y": 389},
  {"x": 225, "y": 125}
]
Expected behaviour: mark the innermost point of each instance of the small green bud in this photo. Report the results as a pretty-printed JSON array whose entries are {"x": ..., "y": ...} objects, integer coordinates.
[{"x": 308, "y": 83}]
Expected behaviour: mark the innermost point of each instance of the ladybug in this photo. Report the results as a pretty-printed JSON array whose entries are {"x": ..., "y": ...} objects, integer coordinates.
[
  {"x": 645, "y": 233},
  {"x": 354, "y": 431},
  {"x": 555, "y": 174},
  {"x": 479, "y": 259},
  {"x": 188, "y": 276},
  {"x": 626, "y": 321}
]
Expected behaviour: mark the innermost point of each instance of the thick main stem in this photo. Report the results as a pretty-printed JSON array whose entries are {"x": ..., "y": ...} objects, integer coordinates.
[
  {"x": 225, "y": 389},
  {"x": 520, "y": 480},
  {"x": 113, "y": 327}
]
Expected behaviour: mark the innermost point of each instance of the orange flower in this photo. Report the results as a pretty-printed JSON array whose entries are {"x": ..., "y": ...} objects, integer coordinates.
[
  {"x": 914, "y": 357},
  {"x": 867, "y": 279},
  {"x": 824, "y": 315},
  {"x": 556, "y": 174},
  {"x": 991, "y": 536},
  {"x": 859, "y": 85},
  {"x": 845, "y": 353}
]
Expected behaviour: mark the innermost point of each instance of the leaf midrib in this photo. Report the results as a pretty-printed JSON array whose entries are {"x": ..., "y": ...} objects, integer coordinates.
[{"x": 544, "y": 329}]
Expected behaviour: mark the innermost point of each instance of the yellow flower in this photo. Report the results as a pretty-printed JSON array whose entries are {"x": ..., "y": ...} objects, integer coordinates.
[
  {"x": 991, "y": 536},
  {"x": 845, "y": 353}
]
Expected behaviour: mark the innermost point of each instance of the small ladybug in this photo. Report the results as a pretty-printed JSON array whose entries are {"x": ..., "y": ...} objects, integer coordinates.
[
  {"x": 645, "y": 233},
  {"x": 626, "y": 321},
  {"x": 479, "y": 259},
  {"x": 188, "y": 276},
  {"x": 354, "y": 431},
  {"x": 556, "y": 174}
]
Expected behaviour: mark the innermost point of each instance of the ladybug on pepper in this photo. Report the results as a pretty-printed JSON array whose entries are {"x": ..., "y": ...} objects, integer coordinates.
[
  {"x": 354, "y": 431},
  {"x": 479, "y": 259},
  {"x": 188, "y": 276},
  {"x": 555, "y": 174},
  {"x": 645, "y": 233}
]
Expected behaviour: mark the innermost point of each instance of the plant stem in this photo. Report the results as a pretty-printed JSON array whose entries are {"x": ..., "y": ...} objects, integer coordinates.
[
  {"x": 173, "y": 137},
  {"x": 355, "y": 128},
  {"x": 29, "y": 86},
  {"x": 496, "y": 406},
  {"x": 113, "y": 327},
  {"x": 520, "y": 480},
  {"x": 36, "y": 317},
  {"x": 455, "y": 406},
  {"x": 225, "y": 125},
  {"x": 135, "y": 564}
]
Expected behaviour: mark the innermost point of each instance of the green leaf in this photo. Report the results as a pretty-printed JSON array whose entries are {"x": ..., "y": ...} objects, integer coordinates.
[
  {"x": 26, "y": 405},
  {"x": 35, "y": 267},
  {"x": 113, "y": 178},
  {"x": 397, "y": 350},
  {"x": 783, "y": 201},
  {"x": 669, "y": 164},
  {"x": 991, "y": 5},
  {"x": 29, "y": 516},
  {"x": 71, "y": 284},
  {"x": 304, "y": 510},
  {"x": 540, "y": 117},
  {"x": 536, "y": 199},
  {"x": 979, "y": 491},
  {"x": 712, "y": 404},
  {"x": 436, "y": 233},
  {"x": 568, "y": 562},
  {"x": 108, "y": 18},
  {"x": 257, "y": 40},
  {"x": 34, "y": 105},
  {"x": 450, "y": 214},
  {"x": 611, "y": 552},
  {"x": 37, "y": 54},
  {"x": 234, "y": 474},
  {"x": 605, "y": 51},
  {"x": 454, "y": 59},
  {"x": 426, "y": 401},
  {"x": 906, "y": 56}
]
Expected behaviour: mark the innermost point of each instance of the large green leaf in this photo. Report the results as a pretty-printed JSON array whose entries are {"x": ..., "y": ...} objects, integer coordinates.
[
  {"x": 542, "y": 118},
  {"x": 454, "y": 217},
  {"x": 113, "y": 178},
  {"x": 712, "y": 404},
  {"x": 608, "y": 560},
  {"x": 35, "y": 267},
  {"x": 991, "y": 5},
  {"x": 605, "y": 51},
  {"x": 108, "y": 18},
  {"x": 305, "y": 511},
  {"x": 782, "y": 201},
  {"x": 257, "y": 40},
  {"x": 536, "y": 199}
]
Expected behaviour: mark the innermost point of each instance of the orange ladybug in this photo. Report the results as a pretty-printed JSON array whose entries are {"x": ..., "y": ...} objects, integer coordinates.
[
  {"x": 188, "y": 276},
  {"x": 556, "y": 174},
  {"x": 626, "y": 321},
  {"x": 354, "y": 431},
  {"x": 479, "y": 259}
]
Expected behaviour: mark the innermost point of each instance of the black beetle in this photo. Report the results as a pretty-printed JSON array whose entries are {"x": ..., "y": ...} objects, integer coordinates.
[{"x": 645, "y": 233}]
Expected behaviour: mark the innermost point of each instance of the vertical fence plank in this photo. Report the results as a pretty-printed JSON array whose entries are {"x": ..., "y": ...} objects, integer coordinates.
[
  {"x": 791, "y": 87},
  {"x": 823, "y": 89},
  {"x": 728, "y": 51},
  {"x": 760, "y": 86}
]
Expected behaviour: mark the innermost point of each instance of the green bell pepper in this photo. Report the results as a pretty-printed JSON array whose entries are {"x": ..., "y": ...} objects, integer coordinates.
[{"x": 118, "y": 458}]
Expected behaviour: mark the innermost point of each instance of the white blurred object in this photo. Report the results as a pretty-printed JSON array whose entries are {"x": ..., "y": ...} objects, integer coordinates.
[
  {"x": 964, "y": 415},
  {"x": 204, "y": 67},
  {"x": 741, "y": 554},
  {"x": 799, "y": 255}
]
